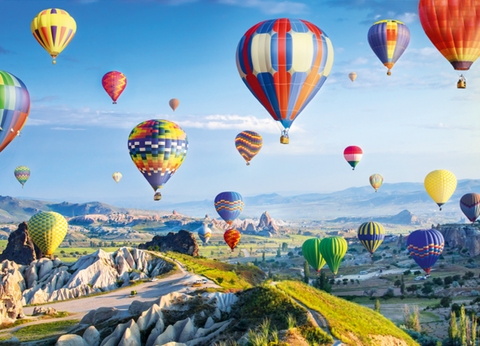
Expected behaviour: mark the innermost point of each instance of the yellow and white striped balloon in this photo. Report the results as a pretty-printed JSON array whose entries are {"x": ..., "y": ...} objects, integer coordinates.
[
  {"x": 440, "y": 185},
  {"x": 47, "y": 230},
  {"x": 117, "y": 176}
]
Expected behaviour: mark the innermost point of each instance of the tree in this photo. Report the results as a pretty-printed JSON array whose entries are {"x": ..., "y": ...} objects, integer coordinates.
[
  {"x": 322, "y": 283},
  {"x": 453, "y": 328},
  {"x": 256, "y": 262},
  {"x": 306, "y": 272},
  {"x": 263, "y": 256},
  {"x": 397, "y": 283},
  {"x": 402, "y": 286},
  {"x": 448, "y": 280},
  {"x": 446, "y": 301},
  {"x": 279, "y": 252},
  {"x": 412, "y": 288},
  {"x": 219, "y": 280},
  {"x": 284, "y": 247},
  {"x": 270, "y": 274},
  {"x": 377, "y": 306}
]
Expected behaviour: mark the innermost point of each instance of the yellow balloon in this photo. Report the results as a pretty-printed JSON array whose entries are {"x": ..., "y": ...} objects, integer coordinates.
[
  {"x": 440, "y": 185},
  {"x": 47, "y": 230},
  {"x": 54, "y": 29},
  {"x": 117, "y": 176}
]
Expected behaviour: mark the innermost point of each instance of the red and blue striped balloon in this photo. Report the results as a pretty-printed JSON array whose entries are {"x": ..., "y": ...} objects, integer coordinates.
[
  {"x": 470, "y": 205},
  {"x": 425, "y": 247},
  {"x": 229, "y": 205}
]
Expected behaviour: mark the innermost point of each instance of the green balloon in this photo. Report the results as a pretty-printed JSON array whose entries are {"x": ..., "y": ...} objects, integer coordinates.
[
  {"x": 333, "y": 249},
  {"x": 311, "y": 252}
]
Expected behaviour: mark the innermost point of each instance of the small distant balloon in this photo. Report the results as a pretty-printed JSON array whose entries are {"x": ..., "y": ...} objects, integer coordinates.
[
  {"x": 117, "y": 176},
  {"x": 232, "y": 237},
  {"x": 353, "y": 155},
  {"x": 440, "y": 185},
  {"x": 173, "y": 104},
  {"x": 248, "y": 144},
  {"x": 470, "y": 205},
  {"x": 352, "y": 76},
  {"x": 114, "y": 83},
  {"x": 204, "y": 233},
  {"x": 376, "y": 180},
  {"x": 22, "y": 173},
  {"x": 229, "y": 205},
  {"x": 54, "y": 29}
]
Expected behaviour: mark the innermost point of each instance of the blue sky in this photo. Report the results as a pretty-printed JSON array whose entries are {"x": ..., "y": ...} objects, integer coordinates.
[{"x": 407, "y": 125}]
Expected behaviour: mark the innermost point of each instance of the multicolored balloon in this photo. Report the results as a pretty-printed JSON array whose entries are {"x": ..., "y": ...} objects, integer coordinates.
[
  {"x": 54, "y": 29},
  {"x": 157, "y": 148},
  {"x": 173, "y": 104},
  {"x": 470, "y": 205},
  {"x": 454, "y": 29},
  {"x": 22, "y": 173},
  {"x": 311, "y": 252},
  {"x": 248, "y": 144},
  {"x": 114, "y": 83},
  {"x": 425, "y": 247},
  {"x": 284, "y": 63},
  {"x": 333, "y": 249},
  {"x": 388, "y": 40},
  {"x": 440, "y": 185},
  {"x": 47, "y": 230},
  {"x": 376, "y": 180},
  {"x": 204, "y": 233},
  {"x": 14, "y": 107},
  {"x": 117, "y": 176},
  {"x": 353, "y": 155},
  {"x": 352, "y": 76},
  {"x": 229, "y": 205},
  {"x": 232, "y": 237},
  {"x": 371, "y": 235}
]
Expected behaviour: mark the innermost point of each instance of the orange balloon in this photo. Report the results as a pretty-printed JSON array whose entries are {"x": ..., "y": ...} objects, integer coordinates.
[
  {"x": 174, "y": 104},
  {"x": 232, "y": 237}
]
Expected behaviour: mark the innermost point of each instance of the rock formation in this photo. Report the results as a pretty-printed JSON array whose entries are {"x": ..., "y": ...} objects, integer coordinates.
[
  {"x": 11, "y": 286},
  {"x": 182, "y": 242},
  {"x": 20, "y": 247},
  {"x": 266, "y": 224},
  {"x": 465, "y": 236}
]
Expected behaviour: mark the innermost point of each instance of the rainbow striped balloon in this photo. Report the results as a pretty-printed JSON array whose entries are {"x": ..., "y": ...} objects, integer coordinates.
[
  {"x": 371, "y": 235},
  {"x": 388, "y": 40},
  {"x": 376, "y": 180},
  {"x": 232, "y": 238},
  {"x": 248, "y": 144},
  {"x": 22, "y": 173}
]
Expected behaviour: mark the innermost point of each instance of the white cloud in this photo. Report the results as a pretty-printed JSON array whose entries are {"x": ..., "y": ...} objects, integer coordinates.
[
  {"x": 408, "y": 17},
  {"x": 67, "y": 129},
  {"x": 360, "y": 61}
]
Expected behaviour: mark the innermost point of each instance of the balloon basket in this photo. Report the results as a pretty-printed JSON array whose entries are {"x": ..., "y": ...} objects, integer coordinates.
[
  {"x": 114, "y": 102},
  {"x": 248, "y": 163},
  {"x": 284, "y": 140},
  {"x": 461, "y": 84},
  {"x": 389, "y": 73}
]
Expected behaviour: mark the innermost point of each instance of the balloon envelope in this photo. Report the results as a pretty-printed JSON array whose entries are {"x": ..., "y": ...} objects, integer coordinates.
[
  {"x": 440, "y": 185},
  {"x": 157, "y": 148},
  {"x": 54, "y": 29},
  {"x": 204, "y": 233},
  {"x": 470, "y": 205},
  {"x": 371, "y": 235},
  {"x": 232, "y": 237},
  {"x": 14, "y": 107},
  {"x": 353, "y": 155},
  {"x": 229, "y": 205},
  {"x": 376, "y": 180},
  {"x": 352, "y": 76},
  {"x": 388, "y": 40},
  {"x": 47, "y": 230},
  {"x": 248, "y": 144},
  {"x": 114, "y": 83},
  {"x": 173, "y": 104},
  {"x": 454, "y": 29},
  {"x": 311, "y": 252},
  {"x": 117, "y": 176},
  {"x": 284, "y": 63},
  {"x": 333, "y": 249},
  {"x": 425, "y": 247},
  {"x": 22, "y": 173}
]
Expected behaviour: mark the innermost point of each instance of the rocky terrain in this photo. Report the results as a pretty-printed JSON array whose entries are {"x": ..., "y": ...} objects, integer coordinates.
[
  {"x": 20, "y": 247},
  {"x": 461, "y": 236},
  {"x": 45, "y": 280},
  {"x": 182, "y": 242}
]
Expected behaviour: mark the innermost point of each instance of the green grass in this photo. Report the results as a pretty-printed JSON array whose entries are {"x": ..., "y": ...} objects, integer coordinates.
[
  {"x": 16, "y": 323},
  {"x": 344, "y": 318},
  {"x": 44, "y": 330},
  {"x": 234, "y": 276}
]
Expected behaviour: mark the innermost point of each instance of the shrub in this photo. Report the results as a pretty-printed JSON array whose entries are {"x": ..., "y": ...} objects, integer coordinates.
[
  {"x": 407, "y": 272},
  {"x": 446, "y": 301},
  {"x": 474, "y": 293},
  {"x": 315, "y": 336}
]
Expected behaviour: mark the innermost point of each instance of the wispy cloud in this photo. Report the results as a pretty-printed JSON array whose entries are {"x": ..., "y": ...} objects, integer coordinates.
[
  {"x": 4, "y": 51},
  {"x": 449, "y": 127},
  {"x": 67, "y": 129},
  {"x": 45, "y": 99}
]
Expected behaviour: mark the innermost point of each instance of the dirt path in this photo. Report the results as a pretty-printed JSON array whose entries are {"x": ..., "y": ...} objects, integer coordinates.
[{"x": 14, "y": 329}]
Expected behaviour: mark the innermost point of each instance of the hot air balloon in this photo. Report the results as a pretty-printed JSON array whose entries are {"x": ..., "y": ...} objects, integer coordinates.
[
  {"x": 232, "y": 237},
  {"x": 311, "y": 252},
  {"x": 47, "y": 230},
  {"x": 376, "y": 180},
  {"x": 470, "y": 205},
  {"x": 229, "y": 205},
  {"x": 352, "y": 76},
  {"x": 388, "y": 40},
  {"x": 14, "y": 107},
  {"x": 157, "y": 148},
  {"x": 425, "y": 247},
  {"x": 440, "y": 185},
  {"x": 204, "y": 233},
  {"x": 454, "y": 29},
  {"x": 353, "y": 155},
  {"x": 333, "y": 249},
  {"x": 53, "y": 29},
  {"x": 248, "y": 144},
  {"x": 284, "y": 63},
  {"x": 371, "y": 235},
  {"x": 173, "y": 104},
  {"x": 114, "y": 83},
  {"x": 117, "y": 176},
  {"x": 22, "y": 173}
]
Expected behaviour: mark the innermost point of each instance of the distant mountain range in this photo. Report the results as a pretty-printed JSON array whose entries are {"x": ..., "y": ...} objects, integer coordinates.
[{"x": 355, "y": 202}]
